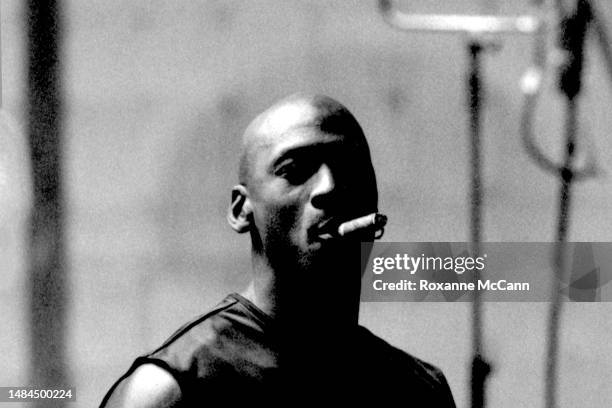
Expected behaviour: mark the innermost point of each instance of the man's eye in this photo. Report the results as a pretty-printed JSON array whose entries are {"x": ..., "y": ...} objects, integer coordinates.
[{"x": 294, "y": 171}]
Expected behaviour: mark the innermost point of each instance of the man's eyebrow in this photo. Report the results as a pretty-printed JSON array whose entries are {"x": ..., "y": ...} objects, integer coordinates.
[{"x": 304, "y": 150}]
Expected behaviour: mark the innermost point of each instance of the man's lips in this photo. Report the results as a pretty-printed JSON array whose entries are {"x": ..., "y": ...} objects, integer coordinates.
[
  {"x": 326, "y": 229},
  {"x": 339, "y": 227}
]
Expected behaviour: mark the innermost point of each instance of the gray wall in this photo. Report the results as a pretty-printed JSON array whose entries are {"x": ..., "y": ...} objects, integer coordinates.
[{"x": 158, "y": 94}]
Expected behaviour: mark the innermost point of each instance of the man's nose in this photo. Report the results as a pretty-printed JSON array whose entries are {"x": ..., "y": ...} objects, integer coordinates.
[{"x": 324, "y": 188}]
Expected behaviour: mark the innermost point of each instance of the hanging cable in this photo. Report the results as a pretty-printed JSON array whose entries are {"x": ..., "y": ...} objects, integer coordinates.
[
  {"x": 573, "y": 32},
  {"x": 573, "y": 27}
]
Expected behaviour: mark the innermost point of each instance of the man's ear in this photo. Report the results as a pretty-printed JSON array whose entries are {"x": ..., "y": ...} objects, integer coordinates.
[{"x": 240, "y": 211}]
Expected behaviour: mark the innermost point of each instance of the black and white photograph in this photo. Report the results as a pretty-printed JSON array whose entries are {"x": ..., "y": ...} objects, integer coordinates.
[{"x": 306, "y": 203}]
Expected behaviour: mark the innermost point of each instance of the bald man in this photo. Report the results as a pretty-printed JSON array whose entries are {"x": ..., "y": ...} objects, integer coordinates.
[{"x": 292, "y": 336}]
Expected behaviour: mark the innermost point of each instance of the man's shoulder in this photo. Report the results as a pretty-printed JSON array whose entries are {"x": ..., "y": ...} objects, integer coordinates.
[
  {"x": 203, "y": 322},
  {"x": 156, "y": 378},
  {"x": 381, "y": 350},
  {"x": 402, "y": 367},
  {"x": 149, "y": 386}
]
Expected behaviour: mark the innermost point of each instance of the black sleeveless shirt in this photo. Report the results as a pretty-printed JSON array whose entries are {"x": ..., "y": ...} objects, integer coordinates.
[{"x": 232, "y": 355}]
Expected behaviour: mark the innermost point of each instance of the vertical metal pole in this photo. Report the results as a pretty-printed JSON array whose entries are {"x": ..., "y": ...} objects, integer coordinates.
[
  {"x": 480, "y": 368},
  {"x": 47, "y": 277},
  {"x": 474, "y": 103}
]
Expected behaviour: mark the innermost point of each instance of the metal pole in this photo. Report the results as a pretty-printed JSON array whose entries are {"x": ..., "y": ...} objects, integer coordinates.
[{"x": 480, "y": 367}]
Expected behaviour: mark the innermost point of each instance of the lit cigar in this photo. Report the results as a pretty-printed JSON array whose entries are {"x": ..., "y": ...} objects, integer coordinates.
[{"x": 372, "y": 222}]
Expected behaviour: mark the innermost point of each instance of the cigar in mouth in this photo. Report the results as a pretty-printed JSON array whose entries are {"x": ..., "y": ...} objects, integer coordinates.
[{"x": 371, "y": 222}]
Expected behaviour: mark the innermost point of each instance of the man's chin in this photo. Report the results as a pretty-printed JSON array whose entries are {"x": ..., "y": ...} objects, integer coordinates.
[{"x": 332, "y": 255}]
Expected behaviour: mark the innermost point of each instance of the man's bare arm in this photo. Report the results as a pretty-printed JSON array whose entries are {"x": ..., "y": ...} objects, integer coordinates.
[{"x": 148, "y": 387}]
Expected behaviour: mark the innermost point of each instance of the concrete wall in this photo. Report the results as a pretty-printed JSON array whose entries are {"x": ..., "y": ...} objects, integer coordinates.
[{"x": 157, "y": 96}]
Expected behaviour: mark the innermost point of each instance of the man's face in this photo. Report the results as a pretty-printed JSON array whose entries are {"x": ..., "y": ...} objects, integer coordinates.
[{"x": 303, "y": 181}]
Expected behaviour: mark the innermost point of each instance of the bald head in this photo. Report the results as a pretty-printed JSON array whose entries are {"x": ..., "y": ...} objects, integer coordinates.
[
  {"x": 305, "y": 166},
  {"x": 294, "y": 112},
  {"x": 304, "y": 160}
]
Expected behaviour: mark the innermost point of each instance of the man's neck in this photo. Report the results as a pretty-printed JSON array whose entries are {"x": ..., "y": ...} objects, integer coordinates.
[
  {"x": 295, "y": 309},
  {"x": 257, "y": 296}
]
